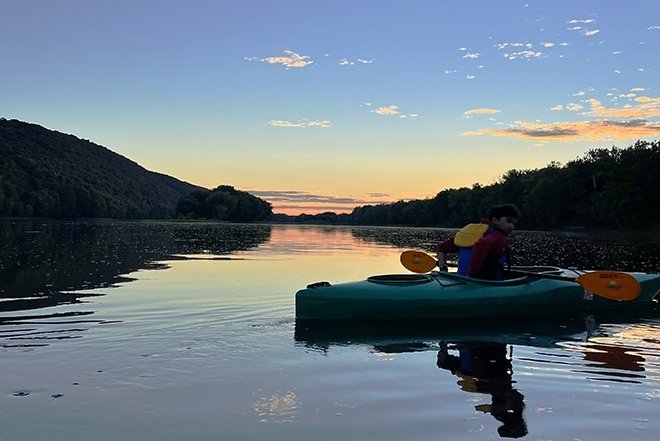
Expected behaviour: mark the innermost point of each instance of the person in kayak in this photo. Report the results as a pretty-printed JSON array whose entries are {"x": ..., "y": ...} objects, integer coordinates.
[{"x": 482, "y": 248}]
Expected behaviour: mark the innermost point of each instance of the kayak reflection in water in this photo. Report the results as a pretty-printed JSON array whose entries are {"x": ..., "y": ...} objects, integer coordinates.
[{"x": 485, "y": 368}]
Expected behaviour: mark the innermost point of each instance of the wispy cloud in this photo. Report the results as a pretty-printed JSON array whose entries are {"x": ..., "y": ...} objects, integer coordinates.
[
  {"x": 523, "y": 54},
  {"x": 393, "y": 110},
  {"x": 573, "y": 107},
  {"x": 289, "y": 59},
  {"x": 599, "y": 130},
  {"x": 387, "y": 110},
  {"x": 480, "y": 111},
  {"x": 587, "y": 21},
  {"x": 514, "y": 51},
  {"x": 577, "y": 25},
  {"x": 301, "y": 201},
  {"x": 643, "y": 107},
  {"x": 349, "y": 62},
  {"x": 502, "y": 46},
  {"x": 300, "y": 124},
  {"x": 653, "y": 28},
  {"x": 302, "y": 196}
]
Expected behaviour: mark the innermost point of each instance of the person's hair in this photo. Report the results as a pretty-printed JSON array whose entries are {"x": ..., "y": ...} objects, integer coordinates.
[{"x": 502, "y": 211}]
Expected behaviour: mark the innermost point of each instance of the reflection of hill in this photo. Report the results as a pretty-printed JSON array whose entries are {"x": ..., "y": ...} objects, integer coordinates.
[{"x": 41, "y": 259}]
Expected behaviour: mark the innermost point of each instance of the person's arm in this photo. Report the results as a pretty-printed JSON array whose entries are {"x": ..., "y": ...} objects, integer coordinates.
[{"x": 442, "y": 250}]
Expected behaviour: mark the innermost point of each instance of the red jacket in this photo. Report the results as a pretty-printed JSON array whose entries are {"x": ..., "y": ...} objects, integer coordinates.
[{"x": 486, "y": 252}]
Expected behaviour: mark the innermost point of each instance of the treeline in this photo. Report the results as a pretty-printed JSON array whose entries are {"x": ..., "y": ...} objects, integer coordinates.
[
  {"x": 44, "y": 173},
  {"x": 223, "y": 203},
  {"x": 326, "y": 218},
  {"x": 618, "y": 188}
]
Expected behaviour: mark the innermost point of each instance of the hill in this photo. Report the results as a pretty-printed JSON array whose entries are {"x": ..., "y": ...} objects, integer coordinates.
[{"x": 51, "y": 174}]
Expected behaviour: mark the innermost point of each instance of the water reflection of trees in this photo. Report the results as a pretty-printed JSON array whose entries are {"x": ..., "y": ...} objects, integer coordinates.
[
  {"x": 43, "y": 262},
  {"x": 424, "y": 239}
]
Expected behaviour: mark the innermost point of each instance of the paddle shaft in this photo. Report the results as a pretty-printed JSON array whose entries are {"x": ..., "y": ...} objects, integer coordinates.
[{"x": 530, "y": 273}]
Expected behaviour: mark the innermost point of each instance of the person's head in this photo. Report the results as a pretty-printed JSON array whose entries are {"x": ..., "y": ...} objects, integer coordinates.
[{"x": 504, "y": 218}]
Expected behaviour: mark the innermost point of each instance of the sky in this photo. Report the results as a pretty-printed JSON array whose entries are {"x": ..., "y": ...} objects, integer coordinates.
[{"x": 326, "y": 105}]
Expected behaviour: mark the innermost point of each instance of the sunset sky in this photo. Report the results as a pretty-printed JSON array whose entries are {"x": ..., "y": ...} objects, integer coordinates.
[{"x": 325, "y": 105}]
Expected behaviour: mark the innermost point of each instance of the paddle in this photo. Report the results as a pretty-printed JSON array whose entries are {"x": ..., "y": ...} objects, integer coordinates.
[{"x": 611, "y": 285}]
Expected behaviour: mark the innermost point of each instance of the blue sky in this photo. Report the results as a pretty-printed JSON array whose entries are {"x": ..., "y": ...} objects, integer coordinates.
[{"x": 326, "y": 105}]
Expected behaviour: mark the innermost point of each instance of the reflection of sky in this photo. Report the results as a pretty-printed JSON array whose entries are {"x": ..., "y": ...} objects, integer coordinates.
[
  {"x": 323, "y": 109},
  {"x": 277, "y": 408}
]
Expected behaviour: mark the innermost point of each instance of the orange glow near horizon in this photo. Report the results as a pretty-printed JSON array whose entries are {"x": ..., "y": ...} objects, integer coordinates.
[
  {"x": 294, "y": 203},
  {"x": 310, "y": 209}
]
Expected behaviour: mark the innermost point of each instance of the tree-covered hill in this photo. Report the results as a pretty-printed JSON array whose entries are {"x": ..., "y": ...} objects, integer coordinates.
[
  {"x": 50, "y": 174},
  {"x": 223, "y": 203}
]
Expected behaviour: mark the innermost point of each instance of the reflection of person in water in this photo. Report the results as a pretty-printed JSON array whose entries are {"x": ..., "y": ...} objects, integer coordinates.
[{"x": 485, "y": 368}]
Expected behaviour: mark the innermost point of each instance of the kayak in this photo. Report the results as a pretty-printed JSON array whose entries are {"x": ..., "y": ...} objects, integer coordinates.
[{"x": 443, "y": 295}]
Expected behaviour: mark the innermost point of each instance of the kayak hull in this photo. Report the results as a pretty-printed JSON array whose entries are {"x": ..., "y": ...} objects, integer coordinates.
[{"x": 440, "y": 295}]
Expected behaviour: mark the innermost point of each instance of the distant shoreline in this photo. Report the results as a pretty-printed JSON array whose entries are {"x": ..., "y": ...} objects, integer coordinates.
[{"x": 652, "y": 234}]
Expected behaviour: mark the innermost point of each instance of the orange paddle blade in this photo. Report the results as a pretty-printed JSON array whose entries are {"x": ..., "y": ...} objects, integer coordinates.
[
  {"x": 417, "y": 261},
  {"x": 611, "y": 284}
]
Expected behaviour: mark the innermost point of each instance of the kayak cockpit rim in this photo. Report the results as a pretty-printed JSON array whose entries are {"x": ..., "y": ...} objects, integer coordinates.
[
  {"x": 416, "y": 279},
  {"x": 409, "y": 279}
]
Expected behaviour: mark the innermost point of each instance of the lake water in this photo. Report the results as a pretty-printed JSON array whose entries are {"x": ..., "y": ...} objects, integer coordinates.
[{"x": 186, "y": 331}]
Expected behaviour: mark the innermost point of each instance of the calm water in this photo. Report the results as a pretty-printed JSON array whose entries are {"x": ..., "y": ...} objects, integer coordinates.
[{"x": 186, "y": 331}]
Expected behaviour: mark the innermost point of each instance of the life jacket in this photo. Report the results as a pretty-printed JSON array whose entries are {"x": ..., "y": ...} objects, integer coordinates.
[{"x": 465, "y": 239}]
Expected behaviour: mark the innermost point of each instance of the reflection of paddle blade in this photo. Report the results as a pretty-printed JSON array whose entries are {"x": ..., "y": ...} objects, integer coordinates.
[
  {"x": 417, "y": 262},
  {"x": 611, "y": 284}
]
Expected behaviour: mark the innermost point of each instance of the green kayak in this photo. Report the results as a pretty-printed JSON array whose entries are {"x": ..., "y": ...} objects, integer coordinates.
[{"x": 441, "y": 295}]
